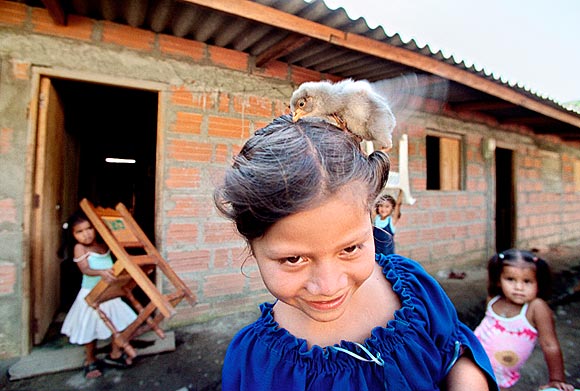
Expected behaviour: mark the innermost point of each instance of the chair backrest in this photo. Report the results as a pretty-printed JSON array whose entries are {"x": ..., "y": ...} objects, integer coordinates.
[{"x": 122, "y": 234}]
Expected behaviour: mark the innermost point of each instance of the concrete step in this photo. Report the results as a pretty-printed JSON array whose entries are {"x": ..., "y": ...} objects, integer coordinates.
[{"x": 49, "y": 359}]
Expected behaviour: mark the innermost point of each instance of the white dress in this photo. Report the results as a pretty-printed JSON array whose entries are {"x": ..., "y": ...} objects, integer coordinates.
[{"x": 82, "y": 323}]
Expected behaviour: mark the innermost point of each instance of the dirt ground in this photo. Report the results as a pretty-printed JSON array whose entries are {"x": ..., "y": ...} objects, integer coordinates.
[{"x": 196, "y": 363}]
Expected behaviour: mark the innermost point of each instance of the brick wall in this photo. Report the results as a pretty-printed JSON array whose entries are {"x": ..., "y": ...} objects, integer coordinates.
[{"x": 203, "y": 127}]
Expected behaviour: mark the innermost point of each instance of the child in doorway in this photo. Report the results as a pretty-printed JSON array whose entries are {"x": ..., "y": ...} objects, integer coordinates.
[
  {"x": 387, "y": 215},
  {"x": 301, "y": 194},
  {"x": 82, "y": 324},
  {"x": 517, "y": 315}
]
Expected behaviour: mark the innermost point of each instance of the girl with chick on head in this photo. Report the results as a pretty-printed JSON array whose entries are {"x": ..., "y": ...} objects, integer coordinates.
[{"x": 344, "y": 318}]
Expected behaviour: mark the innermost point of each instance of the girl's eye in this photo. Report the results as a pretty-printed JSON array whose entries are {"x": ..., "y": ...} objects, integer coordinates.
[
  {"x": 352, "y": 249},
  {"x": 292, "y": 260}
]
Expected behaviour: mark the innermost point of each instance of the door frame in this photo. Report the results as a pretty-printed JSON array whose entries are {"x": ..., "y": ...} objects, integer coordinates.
[
  {"x": 509, "y": 198},
  {"x": 37, "y": 74}
]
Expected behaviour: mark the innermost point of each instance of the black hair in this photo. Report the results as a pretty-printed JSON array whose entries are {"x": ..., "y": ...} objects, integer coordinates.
[
  {"x": 287, "y": 167},
  {"x": 385, "y": 198},
  {"x": 511, "y": 256},
  {"x": 65, "y": 250}
]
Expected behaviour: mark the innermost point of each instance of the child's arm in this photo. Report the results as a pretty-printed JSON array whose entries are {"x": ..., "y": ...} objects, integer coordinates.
[
  {"x": 83, "y": 265},
  {"x": 465, "y": 375},
  {"x": 543, "y": 320},
  {"x": 396, "y": 214}
]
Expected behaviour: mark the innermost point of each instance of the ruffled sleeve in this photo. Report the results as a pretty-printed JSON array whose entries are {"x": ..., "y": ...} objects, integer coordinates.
[{"x": 433, "y": 310}]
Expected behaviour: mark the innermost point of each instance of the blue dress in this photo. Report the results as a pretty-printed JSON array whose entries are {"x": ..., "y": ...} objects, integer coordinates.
[
  {"x": 384, "y": 235},
  {"x": 415, "y": 351}
]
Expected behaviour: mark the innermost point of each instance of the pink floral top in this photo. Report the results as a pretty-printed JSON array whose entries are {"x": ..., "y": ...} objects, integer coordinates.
[{"x": 508, "y": 342}]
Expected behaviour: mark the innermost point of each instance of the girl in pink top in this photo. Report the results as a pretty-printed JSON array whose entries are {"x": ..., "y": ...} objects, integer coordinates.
[{"x": 517, "y": 315}]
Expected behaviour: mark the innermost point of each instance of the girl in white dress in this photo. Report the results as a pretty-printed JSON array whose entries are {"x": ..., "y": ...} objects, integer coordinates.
[{"x": 83, "y": 324}]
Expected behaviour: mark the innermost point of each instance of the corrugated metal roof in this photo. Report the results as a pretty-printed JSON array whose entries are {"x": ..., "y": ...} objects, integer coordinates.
[{"x": 191, "y": 21}]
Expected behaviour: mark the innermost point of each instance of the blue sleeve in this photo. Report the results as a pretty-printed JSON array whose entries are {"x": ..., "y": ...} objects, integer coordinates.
[{"x": 453, "y": 338}]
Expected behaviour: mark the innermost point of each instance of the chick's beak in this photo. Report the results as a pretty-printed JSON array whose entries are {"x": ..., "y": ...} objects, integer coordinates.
[{"x": 298, "y": 113}]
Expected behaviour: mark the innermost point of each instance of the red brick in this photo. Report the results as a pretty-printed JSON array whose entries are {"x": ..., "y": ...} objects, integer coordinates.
[
  {"x": 182, "y": 47},
  {"x": 189, "y": 261},
  {"x": 228, "y": 127},
  {"x": 221, "y": 258},
  {"x": 187, "y": 123},
  {"x": 190, "y": 206},
  {"x": 12, "y": 13},
  {"x": 224, "y": 103},
  {"x": 192, "y": 151},
  {"x": 224, "y": 284},
  {"x": 220, "y": 232},
  {"x": 129, "y": 37},
  {"x": 7, "y": 211},
  {"x": 253, "y": 105},
  {"x": 6, "y": 140},
  {"x": 7, "y": 278},
  {"x": 182, "y": 233},
  {"x": 331, "y": 77},
  {"x": 181, "y": 96},
  {"x": 179, "y": 177},
  {"x": 281, "y": 107},
  {"x": 221, "y": 153},
  {"x": 274, "y": 69},
  {"x": 77, "y": 27},
  {"x": 229, "y": 58}
]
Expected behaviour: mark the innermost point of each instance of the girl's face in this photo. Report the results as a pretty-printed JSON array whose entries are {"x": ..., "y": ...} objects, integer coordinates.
[
  {"x": 518, "y": 283},
  {"x": 84, "y": 233},
  {"x": 317, "y": 259},
  {"x": 385, "y": 209}
]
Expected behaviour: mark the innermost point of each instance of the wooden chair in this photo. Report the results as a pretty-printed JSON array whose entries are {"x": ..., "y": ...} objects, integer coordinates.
[{"x": 124, "y": 237}]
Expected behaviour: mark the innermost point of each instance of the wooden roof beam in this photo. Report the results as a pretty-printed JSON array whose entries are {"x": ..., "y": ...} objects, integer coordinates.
[
  {"x": 531, "y": 120},
  {"x": 56, "y": 12},
  {"x": 282, "y": 48},
  {"x": 267, "y": 15},
  {"x": 482, "y": 105}
]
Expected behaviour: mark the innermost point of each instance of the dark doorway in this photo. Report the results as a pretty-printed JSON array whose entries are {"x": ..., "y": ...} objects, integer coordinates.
[
  {"x": 505, "y": 200},
  {"x": 103, "y": 122}
]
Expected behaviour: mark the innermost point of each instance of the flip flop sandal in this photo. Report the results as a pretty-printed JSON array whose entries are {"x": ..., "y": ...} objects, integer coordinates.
[
  {"x": 119, "y": 362},
  {"x": 92, "y": 367}
]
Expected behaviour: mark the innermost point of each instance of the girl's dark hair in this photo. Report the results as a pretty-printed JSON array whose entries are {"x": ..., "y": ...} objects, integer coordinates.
[
  {"x": 287, "y": 167},
  {"x": 385, "y": 198},
  {"x": 510, "y": 257},
  {"x": 65, "y": 250}
]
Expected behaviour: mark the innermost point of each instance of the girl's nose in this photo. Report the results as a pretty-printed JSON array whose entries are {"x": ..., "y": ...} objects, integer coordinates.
[{"x": 327, "y": 278}]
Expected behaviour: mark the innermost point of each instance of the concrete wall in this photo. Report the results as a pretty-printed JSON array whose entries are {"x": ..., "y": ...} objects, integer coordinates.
[{"x": 211, "y": 100}]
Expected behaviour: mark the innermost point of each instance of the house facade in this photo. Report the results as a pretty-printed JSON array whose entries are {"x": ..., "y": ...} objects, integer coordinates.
[{"x": 75, "y": 93}]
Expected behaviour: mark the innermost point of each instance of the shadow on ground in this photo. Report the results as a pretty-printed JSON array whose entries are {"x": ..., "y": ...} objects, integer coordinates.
[{"x": 198, "y": 357}]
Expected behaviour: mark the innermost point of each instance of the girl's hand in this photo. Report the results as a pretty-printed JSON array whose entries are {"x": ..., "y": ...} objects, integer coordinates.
[
  {"x": 108, "y": 275},
  {"x": 558, "y": 385}
]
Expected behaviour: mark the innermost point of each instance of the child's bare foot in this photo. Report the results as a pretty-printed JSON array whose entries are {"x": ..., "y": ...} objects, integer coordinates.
[{"x": 92, "y": 370}]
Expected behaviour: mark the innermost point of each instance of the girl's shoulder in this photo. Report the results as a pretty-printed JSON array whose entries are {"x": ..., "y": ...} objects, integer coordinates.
[
  {"x": 80, "y": 250},
  {"x": 538, "y": 311}
]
